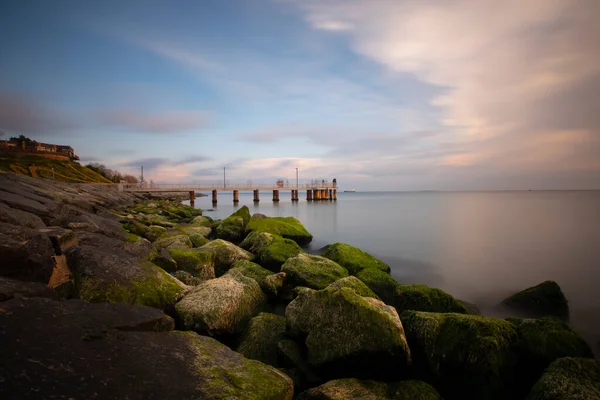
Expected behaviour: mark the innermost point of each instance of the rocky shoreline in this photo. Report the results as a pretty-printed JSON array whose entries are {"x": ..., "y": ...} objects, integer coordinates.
[{"x": 115, "y": 295}]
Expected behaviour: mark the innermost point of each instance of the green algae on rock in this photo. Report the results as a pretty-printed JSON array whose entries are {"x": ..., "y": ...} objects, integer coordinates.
[
  {"x": 353, "y": 259},
  {"x": 356, "y": 284},
  {"x": 425, "y": 298},
  {"x": 275, "y": 254},
  {"x": 198, "y": 263},
  {"x": 273, "y": 284},
  {"x": 256, "y": 241},
  {"x": 221, "y": 306},
  {"x": 231, "y": 229},
  {"x": 351, "y": 388},
  {"x": 463, "y": 356},
  {"x": 198, "y": 234},
  {"x": 314, "y": 272},
  {"x": 250, "y": 269},
  {"x": 339, "y": 327},
  {"x": 260, "y": 338},
  {"x": 225, "y": 254},
  {"x": 381, "y": 283},
  {"x": 543, "y": 300},
  {"x": 287, "y": 227},
  {"x": 173, "y": 239},
  {"x": 153, "y": 232},
  {"x": 569, "y": 378}
]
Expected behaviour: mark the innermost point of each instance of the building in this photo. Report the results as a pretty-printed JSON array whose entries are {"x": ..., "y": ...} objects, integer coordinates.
[{"x": 37, "y": 148}]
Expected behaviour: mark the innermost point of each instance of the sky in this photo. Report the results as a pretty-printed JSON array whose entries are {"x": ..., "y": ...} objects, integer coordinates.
[{"x": 379, "y": 94}]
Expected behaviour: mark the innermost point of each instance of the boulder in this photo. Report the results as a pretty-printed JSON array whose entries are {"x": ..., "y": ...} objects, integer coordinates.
[
  {"x": 153, "y": 232},
  {"x": 138, "y": 246},
  {"x": 225, "y": 254},
  {"x": 25, "y": 219},
  {"x": 154, "y": 220},
  {"x": 250, "y": 269},
  {"x": 315, "y": 272},
  {"x": 118, "y": 277},
  {"x": 260, "y": 338},
  {"x": 244, "y": 213},
  {"x": 197, "y": 234},
  {"x": 163, "y": 259},
  {"x": 273, "y": 284},
  {"x": 173, "y": 239},
  {"x": 351, "y": 388},
  {"x": 463, "y": 356},
  {"x": 256, "y": 241},
  {"x": 567, "y": 379},
  {"x": 425, "y": 298},
  {"x": 382, "y": 284},
  {"x": 288, "y": 227},
  {"x": 187, "y": 278},
  {"x": 290, "y": 357},
  {"x": 201, "y": 221},
  {"x": 355, "y": 284},
  {"x": 542, "y": 341},
  {"x": 339, "y": 327},
  {"x": 74, "y": 349},
  {"x": 275, "y": 254},
  {"x": 543, "y": 300},
  {"x": 231, "y": 229},
  {"x": 198, "y": 263},
  {"x": 221, "y": 306},
  {"x": 353, "y": 259},
  {"x": 10, "y": 288},
  {"x": 26, "y": 254},
  {"x": 470, "y": 307}
]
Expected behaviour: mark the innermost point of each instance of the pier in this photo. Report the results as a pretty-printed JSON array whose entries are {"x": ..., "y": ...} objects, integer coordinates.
[{"x": 316, "y": 191}]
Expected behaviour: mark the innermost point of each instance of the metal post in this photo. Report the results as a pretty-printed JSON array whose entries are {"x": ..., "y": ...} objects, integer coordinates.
[
  {"x": 142, "y": 177},
  {"x": 296, "y": 178},
  {"x": 224, "y": 184}
]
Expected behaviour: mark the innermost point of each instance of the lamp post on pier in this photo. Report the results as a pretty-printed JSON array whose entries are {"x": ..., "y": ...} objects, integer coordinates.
[{"x": 296, "y": 178}]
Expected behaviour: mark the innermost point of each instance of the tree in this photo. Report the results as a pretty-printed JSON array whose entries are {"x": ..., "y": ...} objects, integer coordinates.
[
  {"x": 21, "y": 139},
  {"x": 130, "y": 179}
]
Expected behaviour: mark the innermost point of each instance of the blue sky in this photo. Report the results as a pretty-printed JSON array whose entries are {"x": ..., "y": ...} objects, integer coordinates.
[{"x": 382, "y": 95}]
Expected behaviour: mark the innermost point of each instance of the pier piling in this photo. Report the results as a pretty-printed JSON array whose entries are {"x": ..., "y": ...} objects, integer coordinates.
[
  {"x": 236, "y": 198},
  {"x": 214, "y": 197},
  {"x": 276, "y": 196},
  {"x": 256, "y": 196}
]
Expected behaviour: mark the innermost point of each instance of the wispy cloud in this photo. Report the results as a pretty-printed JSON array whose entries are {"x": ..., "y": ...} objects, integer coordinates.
[{"x": 163, "y": 122}]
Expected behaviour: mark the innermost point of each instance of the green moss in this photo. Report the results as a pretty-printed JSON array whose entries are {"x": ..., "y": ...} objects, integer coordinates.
[
  {"x": 355, "y": 284},
  {"x": 202, "y": 221},
  {"x": 288, "y": 227},
  {"x": 412, "y": 390},
  {"x": 545, "y": 299},
  {"x": 199, "y": 264},
  {"x": 425, "y": 298},
  {"x": 135, "y": 227},
  {"x": 250, "y": 269},
  {"x": 259, "y": 340},
  {"x": 312, "y": 271},
  {"x": 256, "y": 241},
  {"x": 382, "y": 284},
  {"x": 462, "y": 354},
  {"x": 226, "y": 254},
  {"x": 348, "y": 388},
  {"x": 153, "y": 232},
  {"x": 569, "y": 378},
  {"x": 231, "y": 229},
  {"x": 353, "y": 259},
  {"x": 173, "y": 239},
  {"x": 243, "y": 213},
  {"x": 274, "y": 255}
]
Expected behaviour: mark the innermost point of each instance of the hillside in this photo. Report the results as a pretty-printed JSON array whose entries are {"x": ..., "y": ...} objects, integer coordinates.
[{"x": 38, "y": 166}]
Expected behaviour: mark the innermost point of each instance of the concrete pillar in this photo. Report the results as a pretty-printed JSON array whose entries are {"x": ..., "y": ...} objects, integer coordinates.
[
  {"x": 309, "y": 195},
  {"x": 325, "y": 194},
  {"x": 214, "y": 197},
  {"x": 236, "y": 197},
  {"x": 256, "y": 196},
  {"x": 334, "y": 194},
  {"x": 192, "y": 197},
  {"x": 292, "y": 193},
  {"x": 330, "y": 194},
  {"x": 317, "y": 194},
  {"x": 276, "y": 196}
]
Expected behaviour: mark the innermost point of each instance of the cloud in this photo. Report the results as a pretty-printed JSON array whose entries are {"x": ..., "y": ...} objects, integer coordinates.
[
  {"x": 149, "y": 163},
  {"x": 23, "y": 114},
  {"x": 521, "y": 79},
  {"x": 163, "y": 122}
]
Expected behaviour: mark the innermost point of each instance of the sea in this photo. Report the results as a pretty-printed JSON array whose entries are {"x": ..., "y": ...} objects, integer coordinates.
[{"x": 478, "y": 246}]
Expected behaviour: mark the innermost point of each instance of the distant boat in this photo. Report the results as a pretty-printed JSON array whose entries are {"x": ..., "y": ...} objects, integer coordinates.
[{"x": 350, "y": 191}]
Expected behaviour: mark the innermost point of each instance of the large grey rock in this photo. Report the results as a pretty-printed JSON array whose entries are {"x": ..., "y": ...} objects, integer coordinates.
[
  {"x": 25, "y": 254},
  {"x": 83, "y": 351},
  {"x": 10, "y": 288},
  {"x": 315, "y": 272},
  {"x": 22, "y": 218}
]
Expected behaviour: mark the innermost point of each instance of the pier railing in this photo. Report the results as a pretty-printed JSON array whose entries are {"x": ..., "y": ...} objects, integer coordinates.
[{"x": 228, "y": 186}]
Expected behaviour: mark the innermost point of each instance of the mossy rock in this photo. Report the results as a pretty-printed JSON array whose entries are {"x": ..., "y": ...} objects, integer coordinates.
[
  {"x": 274, "y": 255},
  {"x": 198, "y": 263},
  {"x": 381, "y": 283},
  {"x": 153, "y": 232},
  {"x": 339, "y": 327},
  {"x": 314, "y": 272},
  {"x": 173, "y": 239},
  {"x": 187, "y": 278},
  {"x": 154, "y": 219},
  {"x": 353, "y": 259},
  {"x": 231, "y": 229},
  {"x": 135, "y": 227},
  {"x": 542, "y": 341},
  {"x": 355, "y": 284},
  {"x": 221, "y": 306},
  {"x": 163, "y": 259},
  {"x": 259, "y": 340},
  {"x": 425, "y": 298},
  {"x": 198, "y": 234},
  {"x": 470, "y": 307},
  {"x": 463, "y": 356},
  {"x": 256, "y": 241},
  {"x": 543, "y": 300},
  {"x": 201, "y": 221},
  {"x": 287, "y": 227},
  {"x": 567, "y": 379},
  {"x": 351, "y": 388},
  {"x": 225, "y": 254},
  {"x": 273, "y": 284},
  {"x": 244, "y": 213},
  {"x": 250, "y": 269}
]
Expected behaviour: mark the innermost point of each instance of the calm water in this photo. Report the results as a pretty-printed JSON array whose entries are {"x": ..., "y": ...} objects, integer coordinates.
[{"x": 478, "y": 246}]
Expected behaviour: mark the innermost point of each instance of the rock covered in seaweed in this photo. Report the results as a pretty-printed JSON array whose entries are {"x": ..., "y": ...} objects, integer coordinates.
[
  {"x": 221, "y": 306},
  {"x": 256, "y": 241},
  {"x": 463, "y": 356},
  {"x": 543, "y": 300},
  {"x": 351, "y": 388},
  {"x": 233, "y": 227},
  {"x": 173, "y": 239},
  {"x": 381, "y": 283},
  {"x": 339, "y": 327},
  {"x": 315, "y": 272},
  {"x": 200, "y": 264},
  {"x": 353, "y": 259},
  {"x": 425, "y": 298},
  {"x": 261, "y": 337},
  {"x": 355, "y": 284},
  {"x": 225, "y": 254},
  {"x": 287, "y": 227},
  {"x": 567, "y": 379},
  {"x": 275, "y": 254}
]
